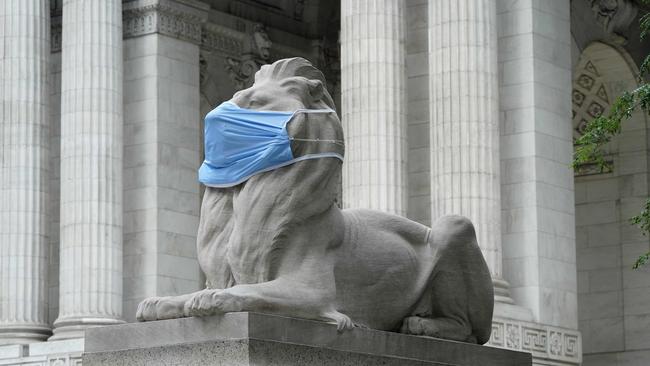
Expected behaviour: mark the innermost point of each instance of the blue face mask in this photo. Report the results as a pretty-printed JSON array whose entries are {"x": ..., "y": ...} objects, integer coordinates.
[{"x": 240, "y": 143}]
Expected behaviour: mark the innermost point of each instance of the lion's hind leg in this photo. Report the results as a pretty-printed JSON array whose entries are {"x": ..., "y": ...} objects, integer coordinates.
[
  {"x": 446, "y": 328},
  {"x": 460, "y": 291}
]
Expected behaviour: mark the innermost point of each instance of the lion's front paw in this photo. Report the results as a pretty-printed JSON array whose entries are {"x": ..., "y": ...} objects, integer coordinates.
[
  {"x": 159, "y": 308},
  {"x": 146, "y": 310},
  {"x": 209, "y": 302},
  {"x": 343, "y": 322},
  {"x": 446, "y": 328},
  {"x": 412, "y": 325}
]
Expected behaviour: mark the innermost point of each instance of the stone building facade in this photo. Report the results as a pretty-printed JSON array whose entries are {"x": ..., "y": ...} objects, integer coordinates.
[{"x": 463, "y": 106}]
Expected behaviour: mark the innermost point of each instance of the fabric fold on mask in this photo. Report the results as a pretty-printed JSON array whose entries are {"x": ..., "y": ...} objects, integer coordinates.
[{"x": 240, "y": 143}]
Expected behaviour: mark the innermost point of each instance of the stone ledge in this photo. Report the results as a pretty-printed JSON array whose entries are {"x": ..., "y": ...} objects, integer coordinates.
[
  {"x": 252, "y": 338},
  {"x": 59, "y": 353}
]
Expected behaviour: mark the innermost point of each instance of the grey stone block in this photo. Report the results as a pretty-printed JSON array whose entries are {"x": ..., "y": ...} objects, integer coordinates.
[{"x": 260, "y": 339}]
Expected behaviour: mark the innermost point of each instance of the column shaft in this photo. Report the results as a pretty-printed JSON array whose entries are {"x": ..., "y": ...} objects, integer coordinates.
[
  {"x": 373, "y": 104},
  {"x": 90, "y": 291},
  {"x": 465, "y": 118},
  {"x": 24, "y": 169}
]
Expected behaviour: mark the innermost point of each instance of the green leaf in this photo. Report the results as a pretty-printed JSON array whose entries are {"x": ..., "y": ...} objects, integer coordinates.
[
  {"x": 644, "y": 25},
  {"x": 642, "y": 260},
  {"x": 600, "y": 131},
  {"x": 642, "y": 220}
]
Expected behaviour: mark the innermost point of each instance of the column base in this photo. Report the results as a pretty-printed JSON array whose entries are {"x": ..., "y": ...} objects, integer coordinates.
[
  {"x": 504, "y": 305},
  {"x": 24, "y": 334},
  {"x": 68, "y": 328}
]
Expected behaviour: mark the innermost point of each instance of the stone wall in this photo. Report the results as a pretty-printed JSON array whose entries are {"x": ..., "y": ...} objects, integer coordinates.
[
  {"x": 536, "y": 180},
  {"x": 613, "y": 298},
  {"x": 161, "y": 149}
]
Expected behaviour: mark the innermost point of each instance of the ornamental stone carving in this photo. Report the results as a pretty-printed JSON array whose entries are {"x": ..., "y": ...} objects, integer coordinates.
[
  {"x": 555, "y": 344},
  {"x": 590, "y": 99},
  {"x": 166, "y": 17},
  {"x": 261, "y": 43},
  {"x": 615, "y": 16},
  {"x": 513, "y": 337},
  {"x": 544, "y": 342},
  {"x": 241, "y": 71},
  {"x": 255, "y": 52},
  {"x": 223, "y": 40}
]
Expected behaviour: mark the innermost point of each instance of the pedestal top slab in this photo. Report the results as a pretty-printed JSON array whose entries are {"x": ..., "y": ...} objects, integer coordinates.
[{"x": 273, "y": 328}]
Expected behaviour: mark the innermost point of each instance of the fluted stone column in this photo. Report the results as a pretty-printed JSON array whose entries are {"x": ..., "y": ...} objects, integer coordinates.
[
  {"x": 464, "y": 121},
  {"x": 90, "y": 291},
  {"x": 24, "y": 169},
  {"x": 373, "y": 104}
]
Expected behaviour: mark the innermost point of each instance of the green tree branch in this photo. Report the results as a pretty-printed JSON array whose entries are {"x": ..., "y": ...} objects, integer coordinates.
[{"x": 600, "y": 131}]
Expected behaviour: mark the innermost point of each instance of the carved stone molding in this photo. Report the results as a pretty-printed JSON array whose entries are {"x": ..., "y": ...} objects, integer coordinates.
[
  {"x": 615, "y": 16},
  {"x": 63, "y": 360},
  {"x": 222, "y": 39},
  {"x": 590, "y": 99},
  {"x": 246, "y": 46},
  {"x": 260, "y": 42},
  {"x": 178, "y": 19},
  {"x": 61, "y": 353},
  {"x": 542, "y": 341},
  {"x": 241, "y": 72},
  {"x": 254, "y": 52}
]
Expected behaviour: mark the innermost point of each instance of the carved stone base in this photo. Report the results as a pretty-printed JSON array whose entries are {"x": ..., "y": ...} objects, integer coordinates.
[
  {"x": 24, "y": 334},
  {"x": 549, "y": 345},
  {"x": 56, "y": 353},
  {"x": 259, "y": 339},
  {"x": 74, "y": 327}
]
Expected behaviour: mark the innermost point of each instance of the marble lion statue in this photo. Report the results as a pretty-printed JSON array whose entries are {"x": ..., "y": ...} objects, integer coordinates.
[{"x": 279, "y": 243}]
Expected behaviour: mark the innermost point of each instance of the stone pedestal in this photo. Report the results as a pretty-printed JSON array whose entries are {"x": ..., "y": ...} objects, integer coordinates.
[{"x": 260, "y": 339}]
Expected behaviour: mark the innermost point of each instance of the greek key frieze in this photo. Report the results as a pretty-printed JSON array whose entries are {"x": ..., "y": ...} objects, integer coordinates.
[{"x": 544, "y": 342}]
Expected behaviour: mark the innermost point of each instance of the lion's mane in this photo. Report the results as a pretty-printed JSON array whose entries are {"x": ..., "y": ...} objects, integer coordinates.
[{"x": 269, "y": 206}]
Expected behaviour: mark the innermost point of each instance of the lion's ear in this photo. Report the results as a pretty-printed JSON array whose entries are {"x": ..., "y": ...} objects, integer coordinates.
[{"x": 315, "y": 89}]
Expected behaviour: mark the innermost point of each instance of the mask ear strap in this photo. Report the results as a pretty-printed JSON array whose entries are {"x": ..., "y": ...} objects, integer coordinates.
[
  {"x": 307, "y": 111},
  {"x": 312, "y": 111},
  {"x": 328, "y": 110},
  {"x": 337, "y": 142}
]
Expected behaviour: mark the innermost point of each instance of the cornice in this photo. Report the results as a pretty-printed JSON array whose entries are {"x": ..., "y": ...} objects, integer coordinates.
[
  {"x": 223, "y": 39},
  {"x": 178, "y": 19}
]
